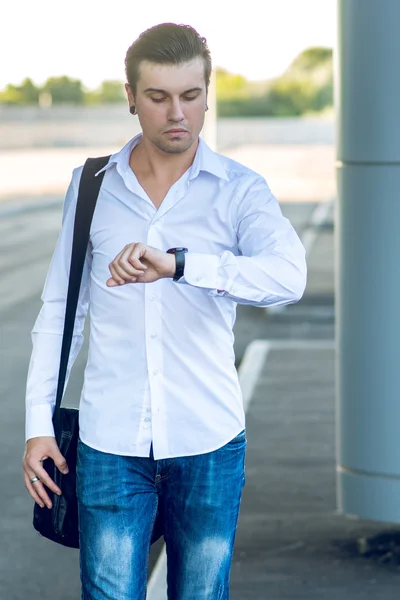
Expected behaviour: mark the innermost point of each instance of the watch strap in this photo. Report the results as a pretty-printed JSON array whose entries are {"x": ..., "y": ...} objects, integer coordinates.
[
  {"x": 180, "y": 264},
  {"x": 179, "y": 261}
]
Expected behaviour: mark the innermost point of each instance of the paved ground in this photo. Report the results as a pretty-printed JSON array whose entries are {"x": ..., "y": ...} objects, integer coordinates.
[{"x": 290, "y": 543}]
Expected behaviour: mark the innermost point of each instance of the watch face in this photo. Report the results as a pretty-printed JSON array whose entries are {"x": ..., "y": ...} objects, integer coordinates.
[{"x": 174, "y": 250}]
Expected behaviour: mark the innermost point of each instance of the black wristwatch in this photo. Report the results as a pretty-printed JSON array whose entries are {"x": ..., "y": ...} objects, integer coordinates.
[{"x": 180, "y": 261}]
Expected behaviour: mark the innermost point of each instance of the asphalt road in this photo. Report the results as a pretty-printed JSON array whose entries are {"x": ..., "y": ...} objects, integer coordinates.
[{"x": 30, "y": 566}]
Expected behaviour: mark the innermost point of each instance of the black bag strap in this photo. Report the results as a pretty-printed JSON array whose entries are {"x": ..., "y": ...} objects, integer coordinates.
[{"x": 89, "y": 188}]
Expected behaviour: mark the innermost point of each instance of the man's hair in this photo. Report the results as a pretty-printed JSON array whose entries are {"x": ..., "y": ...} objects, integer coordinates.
[{"x": 166, "y": 44}]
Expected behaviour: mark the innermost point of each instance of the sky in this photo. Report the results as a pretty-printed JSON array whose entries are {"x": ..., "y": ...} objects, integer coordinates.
[{"x": 88, "y": 39}]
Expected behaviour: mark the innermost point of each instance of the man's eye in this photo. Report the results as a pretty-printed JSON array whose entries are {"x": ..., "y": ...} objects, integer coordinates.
[
  {"x": 158, "y": 99},
  {"x": 189, "y": 98}
]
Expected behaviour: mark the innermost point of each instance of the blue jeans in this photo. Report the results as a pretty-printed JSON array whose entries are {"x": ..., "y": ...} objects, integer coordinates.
[{"x": 197, "y": 499}]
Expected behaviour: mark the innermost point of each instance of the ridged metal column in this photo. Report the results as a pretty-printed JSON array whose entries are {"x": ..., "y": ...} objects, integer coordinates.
[{"x": 368, "y": 258}]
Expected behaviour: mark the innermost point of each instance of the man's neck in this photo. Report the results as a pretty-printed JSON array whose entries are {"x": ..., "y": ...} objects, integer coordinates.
[{"x": 150, "y": 161}]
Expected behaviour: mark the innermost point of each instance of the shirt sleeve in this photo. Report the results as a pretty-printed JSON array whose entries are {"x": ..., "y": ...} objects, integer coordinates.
[
  {"x": 270, "y": 268},
  {"x": 47, "y": 332}
]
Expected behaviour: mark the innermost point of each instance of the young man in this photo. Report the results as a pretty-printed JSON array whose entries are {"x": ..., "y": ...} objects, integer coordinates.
[{"x": 162, "y": 425}]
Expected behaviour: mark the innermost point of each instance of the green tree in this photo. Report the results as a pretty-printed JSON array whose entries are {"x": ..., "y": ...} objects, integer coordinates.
[
  {"x": 254, "y": 106},
  {"x": 306, "y": 86},
  {"x": 64, "y": 90},
  {"x": 26, "y": 93},
  {"x": 29, "y": 91},
  {"x": 112, "y": 91},
  {"x": 229, "y": 86},
  {"x": 290, "y": 97},
  {"x": 311, "y": 59},
  {"x": 11, "y": 95},
  {"x": 109, "y": 92}
]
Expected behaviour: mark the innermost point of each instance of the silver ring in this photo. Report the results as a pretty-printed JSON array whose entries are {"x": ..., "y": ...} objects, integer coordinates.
[{"x": 34, "y": 479}]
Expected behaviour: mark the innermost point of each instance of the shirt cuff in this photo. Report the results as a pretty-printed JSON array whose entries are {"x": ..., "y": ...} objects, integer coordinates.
[
  {"x": 39, "y": 421},
  {"x": 201, "y": 270}
]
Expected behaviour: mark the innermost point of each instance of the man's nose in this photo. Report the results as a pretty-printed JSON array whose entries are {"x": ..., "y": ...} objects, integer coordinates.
[{"x": 176, "y": 111}]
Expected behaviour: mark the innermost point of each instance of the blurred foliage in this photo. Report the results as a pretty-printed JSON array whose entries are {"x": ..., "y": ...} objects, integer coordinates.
[
  {"x": 231, "y": 87},
  {"x": 26, "y": 93},
  {"x": 108, "y": 93},
  {"x": 62, "y": 90},
  {"x": 306, "y": 86}
]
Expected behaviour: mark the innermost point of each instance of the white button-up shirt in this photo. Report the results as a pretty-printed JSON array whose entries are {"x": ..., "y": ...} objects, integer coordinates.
[{"x": 161, "y": 364}]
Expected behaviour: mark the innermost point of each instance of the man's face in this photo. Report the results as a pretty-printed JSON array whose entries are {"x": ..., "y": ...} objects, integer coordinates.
[{"x": 170, "y": 101}]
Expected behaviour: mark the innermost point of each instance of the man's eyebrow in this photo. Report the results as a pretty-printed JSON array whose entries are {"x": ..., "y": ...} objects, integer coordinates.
[{"x": 159, "y": 91}]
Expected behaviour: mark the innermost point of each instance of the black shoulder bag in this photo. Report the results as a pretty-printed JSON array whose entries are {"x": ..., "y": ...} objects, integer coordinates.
[{"x": 60, "y": 523}]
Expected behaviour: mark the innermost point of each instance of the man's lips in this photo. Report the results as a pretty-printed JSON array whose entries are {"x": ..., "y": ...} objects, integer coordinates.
[{"x": 176, "y": 131}]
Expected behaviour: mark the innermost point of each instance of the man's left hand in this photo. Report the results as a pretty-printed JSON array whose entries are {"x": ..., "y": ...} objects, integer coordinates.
[{"x": 140, "y": 263}]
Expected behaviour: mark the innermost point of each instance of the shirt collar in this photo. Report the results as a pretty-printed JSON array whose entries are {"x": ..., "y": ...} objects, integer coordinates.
[
  {"x": 207, "y": 160},
  {"x": 204, "y": 160},
  {"x": 121, "y": 158}
]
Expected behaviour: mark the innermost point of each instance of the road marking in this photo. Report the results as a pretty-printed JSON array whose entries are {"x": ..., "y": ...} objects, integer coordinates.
[
  {"x": 319, "y": 217},
  {"x": 250, "y": 368},
  {"x": 249, "y": 372}
]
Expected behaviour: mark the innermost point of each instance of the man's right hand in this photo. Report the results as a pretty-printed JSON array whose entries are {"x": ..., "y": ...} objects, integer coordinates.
[{"x": 37, "y": 450}]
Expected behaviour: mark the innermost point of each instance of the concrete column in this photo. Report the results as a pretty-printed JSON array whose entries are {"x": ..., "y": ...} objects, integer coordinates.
[{"x": 368, "y": 258}]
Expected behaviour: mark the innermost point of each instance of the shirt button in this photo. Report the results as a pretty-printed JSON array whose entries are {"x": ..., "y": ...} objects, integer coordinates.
[
  {"x": 147, "y": 419},
  {"x": 153, "y": 335},
  {"x": 155, "y": 372},
  {"x": 152, "y": 298}
]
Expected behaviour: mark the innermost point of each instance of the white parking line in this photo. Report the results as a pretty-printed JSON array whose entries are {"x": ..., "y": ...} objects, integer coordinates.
[
  {"x": 249, "y": 371},
  {"x": 319, "y": 216}
]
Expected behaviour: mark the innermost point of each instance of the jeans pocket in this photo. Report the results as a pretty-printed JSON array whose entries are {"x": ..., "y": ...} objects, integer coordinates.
[{"x": 240, "y": 438}]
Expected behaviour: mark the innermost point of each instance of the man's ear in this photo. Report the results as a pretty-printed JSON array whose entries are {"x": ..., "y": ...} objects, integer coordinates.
[{"x": 130, "y": 94}]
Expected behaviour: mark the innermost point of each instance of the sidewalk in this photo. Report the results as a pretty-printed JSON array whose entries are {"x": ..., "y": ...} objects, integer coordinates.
[{"x": 291, "y": 543}]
